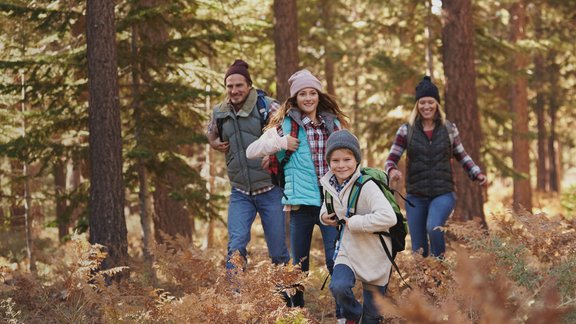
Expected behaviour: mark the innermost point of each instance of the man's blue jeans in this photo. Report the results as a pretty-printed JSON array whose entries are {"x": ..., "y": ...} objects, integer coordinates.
[
  {"x": 343, "y": 280},
  {"x": 302, "y": 223},
  {"x": 427, "y": 214},
  {"x": 241, "y": 214}
]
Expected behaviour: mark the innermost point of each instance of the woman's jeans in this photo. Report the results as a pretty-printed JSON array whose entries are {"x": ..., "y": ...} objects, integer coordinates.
[
  {"x": 302, "y": 223},
  {"x": 424, "y": 218},
  {"x": 242, "y": 213},
  {"x": 343, "y": 280}
]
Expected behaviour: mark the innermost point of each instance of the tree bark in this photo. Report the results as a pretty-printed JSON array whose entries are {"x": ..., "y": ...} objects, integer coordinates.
[
  {"x": 553, "y": 72},
  {"x": 540, "y": 109},
  {"x": 522, "y": 192},
  {"x": 286, "y": 45},
  {"x": 107, "y": 221},
  {"x": 326, "y": 10},
  {"x": 460, "y": 97},
  {"x": 62, "y": 218},
  {"x": 143, "y": 192},
  {"x": 170, "y": 217}
]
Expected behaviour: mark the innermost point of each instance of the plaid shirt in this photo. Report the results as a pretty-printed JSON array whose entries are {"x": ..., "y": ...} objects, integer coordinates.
[
  {"x": 317, "y": 135},
  {"x": 334, "y": 183}
]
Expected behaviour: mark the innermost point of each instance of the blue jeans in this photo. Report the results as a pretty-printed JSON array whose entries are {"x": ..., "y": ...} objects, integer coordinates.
[
  {"x": 424, "y": 217},
  {"x": 241, "y": 214},
  {"x": 302, "y": 223},
  {"x": 343, "y": 280}
]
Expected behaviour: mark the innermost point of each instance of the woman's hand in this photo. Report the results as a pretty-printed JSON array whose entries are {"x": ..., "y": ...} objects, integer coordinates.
[
  {"x": 481, "y": 178},
  {"x": 395, "y": 175},
  {"x": 293, "y": 143},
  {"x": 330, "y": 219}
]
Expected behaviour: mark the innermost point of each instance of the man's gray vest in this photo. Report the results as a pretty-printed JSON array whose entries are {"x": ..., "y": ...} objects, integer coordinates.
[
  {"x": 240, "y": 131},
  {"x": 429, "y": 171}
]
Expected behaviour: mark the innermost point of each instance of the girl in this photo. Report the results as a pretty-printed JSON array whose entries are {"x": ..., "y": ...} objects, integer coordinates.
[{"x": 314, "y": 115}]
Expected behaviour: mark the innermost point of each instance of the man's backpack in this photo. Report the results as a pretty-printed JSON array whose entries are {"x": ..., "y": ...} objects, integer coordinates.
[
  {"x": 263, "y": 109},
  {"x": 398, "y": 232}
]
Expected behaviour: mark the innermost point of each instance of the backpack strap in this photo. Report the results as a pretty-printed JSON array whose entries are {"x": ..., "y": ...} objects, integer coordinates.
[
  {"x": 391, "y": 257},
  {"x": 294, "y": 133},
  {"x": 450, "y": 128},
  {"x": 263, "y": 107},
  {"x": 380, "y": 234}
]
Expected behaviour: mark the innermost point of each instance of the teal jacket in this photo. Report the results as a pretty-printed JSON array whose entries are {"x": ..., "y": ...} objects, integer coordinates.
[{"x": 302, "y": 186}]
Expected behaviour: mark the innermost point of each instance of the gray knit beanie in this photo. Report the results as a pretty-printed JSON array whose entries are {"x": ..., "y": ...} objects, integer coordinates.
[{"x": 343, "y": 139}]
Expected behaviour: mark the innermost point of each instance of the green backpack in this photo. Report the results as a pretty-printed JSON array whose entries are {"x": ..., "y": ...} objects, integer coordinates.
[{"x": 397, "y": 232}]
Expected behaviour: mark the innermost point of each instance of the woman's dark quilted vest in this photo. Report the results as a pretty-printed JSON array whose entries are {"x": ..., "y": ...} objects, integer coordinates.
[{"x": 429, "y": 169}]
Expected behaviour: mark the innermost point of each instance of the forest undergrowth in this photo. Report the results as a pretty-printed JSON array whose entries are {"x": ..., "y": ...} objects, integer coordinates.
[{"x": 520, "y": 271}]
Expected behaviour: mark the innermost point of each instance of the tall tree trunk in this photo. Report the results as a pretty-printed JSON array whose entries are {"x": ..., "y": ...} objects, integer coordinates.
[
  {"x": 326, "y": 13},
  {"x": 143, "y": 192},
  {"x": 522, "y": 195},
  {"x": 539, "y": 108},
  {"x": 17, "y": 193},
  {"x": 28, "y": 215},
  {"x": 429, "y": 39},
  {"x": 461, "y": 106},
  {"x": 107, "y": 221},
  {"x": 63, "y": 219},
  {"x": 553, "y": 72},
  {"x": 286, "y": 45},
  {"x": 170, "y": 217}
]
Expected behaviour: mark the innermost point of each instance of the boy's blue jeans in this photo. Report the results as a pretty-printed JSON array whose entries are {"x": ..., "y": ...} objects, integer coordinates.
[
  {"x": 427, "y": 214},
  {"x": 302, "y": 223},
  {"x": 242, "y": 213},
  {"x": 343, "y": 280}
]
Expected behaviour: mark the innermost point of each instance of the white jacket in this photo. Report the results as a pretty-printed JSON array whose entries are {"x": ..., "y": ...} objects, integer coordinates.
[{"x": 360, "y": 248}]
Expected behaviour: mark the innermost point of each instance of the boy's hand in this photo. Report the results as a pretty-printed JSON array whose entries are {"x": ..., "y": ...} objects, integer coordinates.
[{"x": 330, "y": 219}]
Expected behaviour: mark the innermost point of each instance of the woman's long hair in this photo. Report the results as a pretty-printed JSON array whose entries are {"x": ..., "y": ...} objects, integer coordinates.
[
  {"x": 415, "y": 114},
  {"x": 325, "y": 103}
]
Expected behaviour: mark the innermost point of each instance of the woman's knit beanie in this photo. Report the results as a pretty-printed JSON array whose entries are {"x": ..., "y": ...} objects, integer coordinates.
[
  {"x": 343, "y": 139},
  {"x": 427, "y": 89},
  {"x": 303, "y": 79}
]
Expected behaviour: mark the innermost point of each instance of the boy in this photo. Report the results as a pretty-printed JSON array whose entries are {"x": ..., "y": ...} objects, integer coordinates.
[{"x": 359, "y": 253}]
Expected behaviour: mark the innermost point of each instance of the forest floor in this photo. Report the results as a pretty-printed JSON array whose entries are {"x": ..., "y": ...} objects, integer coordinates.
[{"x": 520, "y": 271}]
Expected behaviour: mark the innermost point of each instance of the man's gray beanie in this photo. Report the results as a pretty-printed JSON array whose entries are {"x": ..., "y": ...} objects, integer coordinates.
[{"x": 343, "y": 139}]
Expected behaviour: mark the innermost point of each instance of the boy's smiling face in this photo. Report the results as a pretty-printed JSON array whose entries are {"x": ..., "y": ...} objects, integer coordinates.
[{"x": 343, "y": 164}]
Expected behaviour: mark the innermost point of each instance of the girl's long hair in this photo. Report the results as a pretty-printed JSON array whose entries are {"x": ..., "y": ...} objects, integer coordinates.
[
  {"x": 415, "y": 114},
  {"x": 325, "y": 103}
]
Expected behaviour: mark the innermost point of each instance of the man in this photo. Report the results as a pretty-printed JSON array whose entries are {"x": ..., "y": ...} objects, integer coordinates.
[{"x": 235, "y": 124}]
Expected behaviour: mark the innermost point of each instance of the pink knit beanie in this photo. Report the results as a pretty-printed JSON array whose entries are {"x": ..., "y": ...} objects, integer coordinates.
[{"x": 303, "y": 79}]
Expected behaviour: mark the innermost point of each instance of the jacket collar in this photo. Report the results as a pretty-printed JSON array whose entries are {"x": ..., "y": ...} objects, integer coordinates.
[
  {"x": 246, "y": 107},
  {"x": 325, "y": 182}
]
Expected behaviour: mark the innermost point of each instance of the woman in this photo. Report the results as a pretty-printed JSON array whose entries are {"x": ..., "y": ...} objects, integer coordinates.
[
  {"x": 431, "y": 141},
  {"x": 315, "y": 115}
]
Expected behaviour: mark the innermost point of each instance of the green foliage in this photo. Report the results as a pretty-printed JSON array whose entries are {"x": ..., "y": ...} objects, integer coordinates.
[{"x": 568, "y": 200}]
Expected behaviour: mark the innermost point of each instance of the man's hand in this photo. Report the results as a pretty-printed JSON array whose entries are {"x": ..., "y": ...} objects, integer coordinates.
[
  {"x": 293, "y": 143},
  {"x": 218, "y": 145}
]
